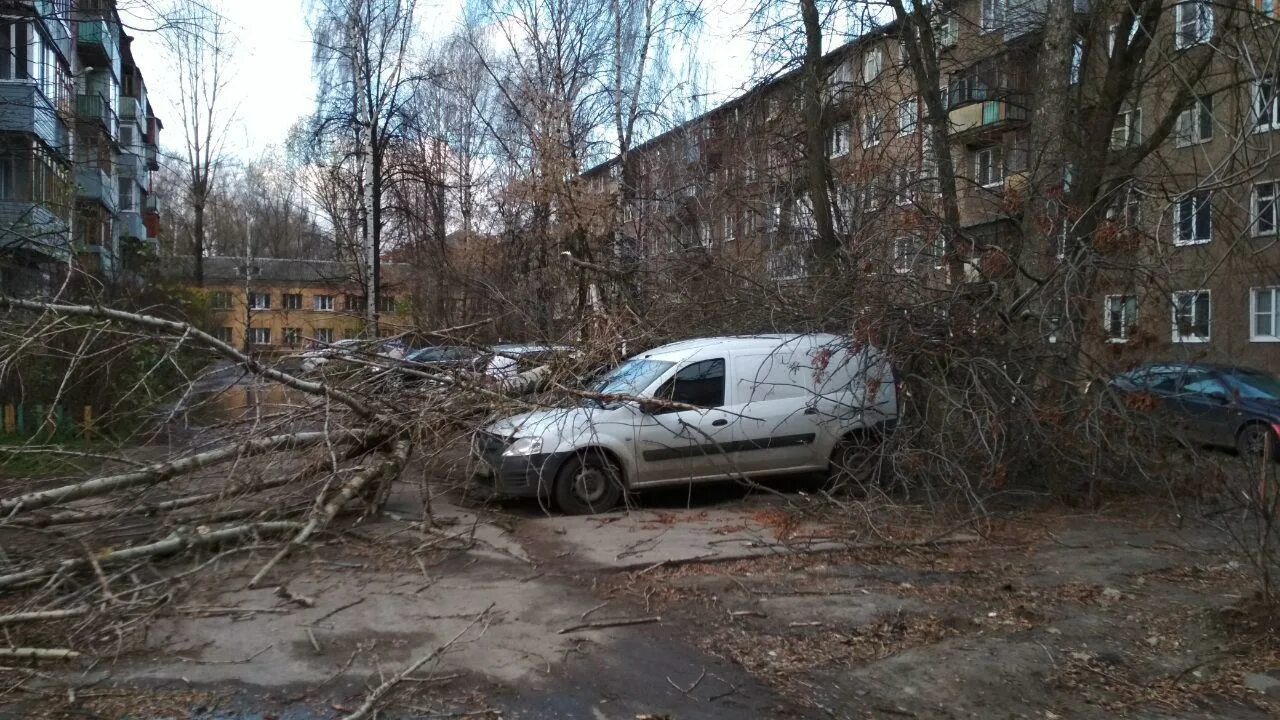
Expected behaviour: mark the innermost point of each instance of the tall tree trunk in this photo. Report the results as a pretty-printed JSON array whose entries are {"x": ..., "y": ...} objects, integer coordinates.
[
  {"x": 817, "y": 170},
  {"x": 197, "y": 241}
]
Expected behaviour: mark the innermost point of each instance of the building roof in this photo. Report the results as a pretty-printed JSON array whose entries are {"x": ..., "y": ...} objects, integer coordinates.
[
  {"x": 761, "y": 88},
  {"x": 230, "y": 269}
]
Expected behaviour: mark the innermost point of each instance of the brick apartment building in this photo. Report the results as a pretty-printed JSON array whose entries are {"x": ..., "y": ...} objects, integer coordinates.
[
  {"x": 78, "y": 143},
  {"x": 1193, "y": 263},
  {"x": 285, "y": 305}
]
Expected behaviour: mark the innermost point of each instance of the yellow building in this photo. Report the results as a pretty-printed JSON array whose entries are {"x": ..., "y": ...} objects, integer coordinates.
[{"x": 285, "y": 305}]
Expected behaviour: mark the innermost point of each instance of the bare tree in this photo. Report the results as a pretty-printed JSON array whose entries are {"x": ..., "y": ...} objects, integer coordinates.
[{"x": 201, "y": 45}]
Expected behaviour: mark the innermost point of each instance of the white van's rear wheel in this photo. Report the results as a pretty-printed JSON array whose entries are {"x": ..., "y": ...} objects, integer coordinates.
[
  {"x": 855, "y": 463},
  {"x": 588, "y": 483}
]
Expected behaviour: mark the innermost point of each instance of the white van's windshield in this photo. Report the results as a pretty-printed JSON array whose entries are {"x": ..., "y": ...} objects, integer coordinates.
[{"x": 630, "y": 377}]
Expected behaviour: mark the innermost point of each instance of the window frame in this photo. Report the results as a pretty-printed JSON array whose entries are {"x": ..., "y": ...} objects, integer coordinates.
[
  {"x": 1194, "y": 239},
  {"x": 286, "y": 304},
  {"x": 254, "y": 297},
  {"x": 872, "y": 64},
  {"x": 991, "y": 15},
  {"x": 1177, "y": 336},
  {"x": 220, "y": 300},
  {"x": 872, "y": 129},
  {"x": 1202, "y": 23},
  {"x": 666, "y": 391},
  {"x": 1128, "y": 128},
  {"x": 1254, "y": 204},
  {"x": 254, "y": 332},
  {"x": 322, "y": 303},
  {"x": 1274, "y": 335},
  {"x": 1128, "y": 306},
  {"x": 909, "y": 122},
  {"x": 324, "y": 335},
  {"x": 996, "y": 165},
  {"x": 1270, "y": 112},
  {"x": 838, "y": 144},
  {"x": 1197, "y": 116}
]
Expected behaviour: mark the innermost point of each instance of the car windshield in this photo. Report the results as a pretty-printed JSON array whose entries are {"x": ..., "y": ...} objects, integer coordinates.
[
  {"x": 630, "y": 377},
  {"x": 1255, "y": 385}
]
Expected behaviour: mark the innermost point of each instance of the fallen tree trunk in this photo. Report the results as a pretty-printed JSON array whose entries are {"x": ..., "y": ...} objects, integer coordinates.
[
  {"x": 160, "y": 472},
  {"x": 174, "y": 543}
]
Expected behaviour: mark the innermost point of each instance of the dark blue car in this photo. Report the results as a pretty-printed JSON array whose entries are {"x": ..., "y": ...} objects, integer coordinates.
[{"x": 1218, "y": 405}]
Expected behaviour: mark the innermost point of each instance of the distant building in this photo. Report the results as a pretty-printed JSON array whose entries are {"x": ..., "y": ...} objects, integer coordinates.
[
  {"x": 281, "y": 305},
  {"x": 78, "y": 143}
]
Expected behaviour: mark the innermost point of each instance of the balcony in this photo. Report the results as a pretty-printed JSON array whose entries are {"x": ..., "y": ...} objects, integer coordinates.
[
  {"x": 94, "y": 41},
  {"x": 26, "y": 225},
  {"x": 95, "y": 108},
  {"x": 97, "y": 186},
  {"x": 132, "y": 163},
  {"x": 153, "y": 157},
  {"x": 24, "y": 109},
  {"x": 128, "y": 108},
  {"x": 131, "y": 226},
  {"x": 980, "y": 120}
]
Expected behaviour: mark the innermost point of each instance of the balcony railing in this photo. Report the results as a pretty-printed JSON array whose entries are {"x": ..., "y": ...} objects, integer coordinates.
[
  {"x": 93, "y": 39},
  {"x": 128, "y": 107},
  {"x": 95, "y": 107},
  {"x": 153, "y": 157},
  {"x": 988, "y": 116}
]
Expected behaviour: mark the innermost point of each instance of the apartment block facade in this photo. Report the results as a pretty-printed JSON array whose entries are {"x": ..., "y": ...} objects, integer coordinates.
[
  {"x": 1190, "y": 246},
  {"x": 78, "y": 144},
  {"x": 283, "y": 305}
]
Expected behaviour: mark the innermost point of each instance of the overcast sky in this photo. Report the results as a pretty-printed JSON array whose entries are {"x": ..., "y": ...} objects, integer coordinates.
[{"x": 272, "y": 87}]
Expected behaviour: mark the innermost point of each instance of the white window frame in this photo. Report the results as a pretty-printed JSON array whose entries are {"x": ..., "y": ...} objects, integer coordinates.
[
  {"x": 871, "y": 130},
  {"x": 1127, "y": 131},
  {"x": 1195, "y": 123},
  {"x": 997, "y": 179},
  {"x": 259, "y": 301},
  {"x": 1200, "y": 23},
  {"x": 728, "y": 230},
  {"x": 1255, "y": 215},
  {"x": 904, "y": 186},
  {"x": 1177, "y": 336},
  {"x": 704, "y": 233},
  {"x": 992, "y": 15},
  {"x": 872, "y": 198},
  {"x": 324, "y": 335},
  {"x": 1265, "y": 110},
  {"x": 838, "y": 140},
  {"x": 872, "y": 64},
  {"x": 1178, "y": 240},
  {"x": 256, "y": 332},
  {"x": 908, "y": 114},
  {"x": 1126, "y": 322},
  {"x": 323, "y": 303},
  {"x": 223, "y": 333},
  {"x": 906, "y": 249},
  {"x": 1114, "y": 31},
  {"x": 1077, "y": 61},
  {"x": 948, "y": 32},
  {"x": 1274, "y": 312}
]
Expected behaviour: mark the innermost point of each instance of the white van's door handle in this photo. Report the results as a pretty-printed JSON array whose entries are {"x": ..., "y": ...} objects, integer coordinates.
[
  {"x": 719, "y": 422},
  {"x": 811, "y": 410}
]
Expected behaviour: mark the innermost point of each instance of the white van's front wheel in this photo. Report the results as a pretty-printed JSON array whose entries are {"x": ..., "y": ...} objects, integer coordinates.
[{"x": 588, "y": 483}]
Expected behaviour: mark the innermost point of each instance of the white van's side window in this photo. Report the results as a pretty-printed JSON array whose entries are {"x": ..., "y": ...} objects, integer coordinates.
[
  {"x": 700, "y": 383},
  {"x": 768, "y": 377}
]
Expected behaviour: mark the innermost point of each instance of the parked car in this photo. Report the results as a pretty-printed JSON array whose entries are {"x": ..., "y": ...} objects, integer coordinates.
[
  {"x": 528, "y": 357},
  {"x": 1206, "y": 404},
  {"x": 765, "y": 405},
  {"x": 437, "y": 359},
  {"x": 320, "y": 353}
]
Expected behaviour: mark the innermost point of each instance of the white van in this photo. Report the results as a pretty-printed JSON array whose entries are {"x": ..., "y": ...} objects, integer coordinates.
[{"x": 765, "y": 405}]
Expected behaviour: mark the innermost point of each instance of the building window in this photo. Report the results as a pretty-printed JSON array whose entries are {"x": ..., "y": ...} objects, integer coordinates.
[
  {"x": 870, "y": 130},
  {"x": 324, "y": 335},
  {"x": 728, "y": 232},
  {"x": 291, "y": 301},
  {"x": 386, "y": 303},
  {"x": 1266, "y": 7},
  {"x": 292, "y": 336},
  {"x": 948, "y": 31},
  {"x": 1262, "y": 208},
  {"x": 259, "y": 301},
  {"x": 1114, "y": 31},
  {"x": 14, "y": 48},
  {"x": 1195, "y": 123},
  {"x": 1266, "y": 112},
  {"x": 127, "y": 193},
  {"x": 1125, "y": 208},
  {"x": 872, "y": 64},
  {"x": 260, "y": 336},
  {"x": 1192, "y": 219},
  {"x": 988, "y": 171},
  {"x": 1193, "y": 23},
  {"x": 1264, "y": 308},
  {"x": 838, "y": 141},
  {"x": 223, "y": 334},
  {"x": 324, "y": 302},
  {"x": 905, "y": 251},
  {"x": 353, "y": 303},
  {"x": 1191, "y": 316},
  {"x": 220, "y": 300},
  {"x": 1077, "y": 61},
  {"x": 992, "y": 15},
  {"x": 908, "y": 112},
  {"x": 1127, "y": 130},
  {"x": 904, "y": 186},
  {"x": 1121, "y": 316},
  {"x": 704, "y": 233}
]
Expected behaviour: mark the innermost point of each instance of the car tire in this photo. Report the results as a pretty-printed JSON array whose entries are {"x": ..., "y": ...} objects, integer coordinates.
[
  {"x": 855, "y": 464},
  {"x": 588, "y": 483},
  {"x": 1253, "y": 438}
]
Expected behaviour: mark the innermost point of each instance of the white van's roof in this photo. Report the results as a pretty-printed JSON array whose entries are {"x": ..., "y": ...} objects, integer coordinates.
[{"x": 692, "y": 348}]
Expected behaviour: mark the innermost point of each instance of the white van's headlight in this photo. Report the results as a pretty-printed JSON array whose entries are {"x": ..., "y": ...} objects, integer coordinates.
[{"x": 524, "y": 446}]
